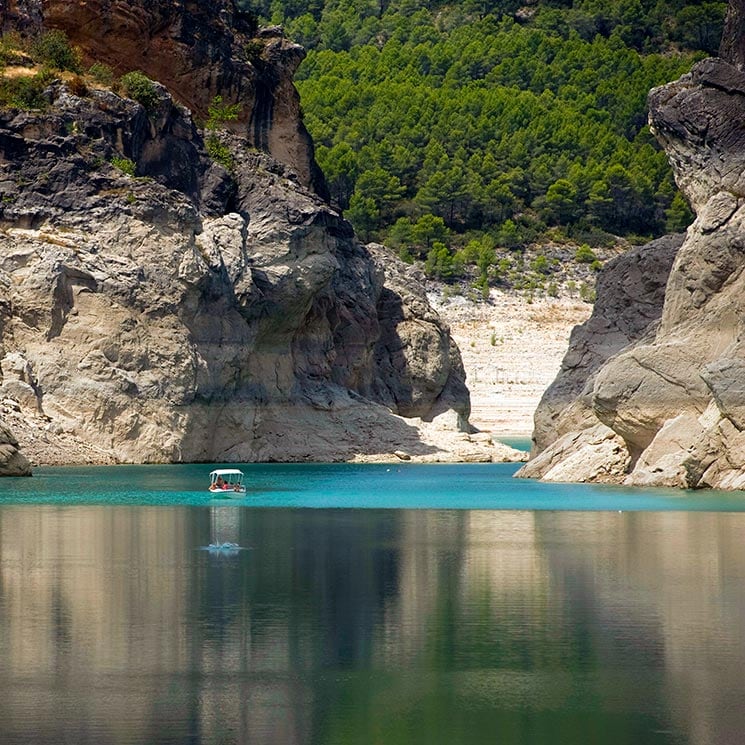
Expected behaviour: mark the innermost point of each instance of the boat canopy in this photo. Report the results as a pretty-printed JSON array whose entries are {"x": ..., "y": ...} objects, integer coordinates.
[{"x": 227, "y": 479}]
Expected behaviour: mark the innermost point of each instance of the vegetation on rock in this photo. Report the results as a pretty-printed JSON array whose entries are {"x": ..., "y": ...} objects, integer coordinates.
[
  {"x": 138, "y": 86},
  {"x": 219, "y": 114},
  {"x": 43, "y": 54},
  {"x": 53, "y": 49},
  {"x": 125, "y": 165},
  {"x": 24, "y": 92},
  {"x": 219, "y": 151}
]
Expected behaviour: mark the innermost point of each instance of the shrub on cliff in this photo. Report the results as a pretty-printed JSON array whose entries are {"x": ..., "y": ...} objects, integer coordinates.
[
  {"x": 585, "y": 255},
  {"x": 219, "y": 113},
  {"x": 53, "y": 49},
  {"x": 24, "y": 92},
  {"x": 252, "y": 51},
  {"x": 219, "y": 151},
  {"x": 138, "y": 86},
  {"x": 125, "y": 165},
  {"x": 11, "y": 50},
  {"x": 102, "y": 73}
]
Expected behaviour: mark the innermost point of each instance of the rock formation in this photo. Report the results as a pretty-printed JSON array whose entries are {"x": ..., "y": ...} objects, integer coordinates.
[
  {"x": 630, "y": 292},
  {"x": 12, "y": 461},
  {"x": 668, "y": 407},
  {"x": 198, "y": 311},
  {"x": 197, "y": 50}
]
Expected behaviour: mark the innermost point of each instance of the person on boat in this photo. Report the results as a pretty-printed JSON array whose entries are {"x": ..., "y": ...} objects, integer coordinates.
[{"x": 220, "y": 483}]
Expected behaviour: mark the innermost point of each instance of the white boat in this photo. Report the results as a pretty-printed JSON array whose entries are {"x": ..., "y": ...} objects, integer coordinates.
[{"x": 227, "y": 480}]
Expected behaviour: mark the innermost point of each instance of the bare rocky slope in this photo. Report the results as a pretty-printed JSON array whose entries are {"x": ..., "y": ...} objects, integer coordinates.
[
  {"x": 662, "y": 401},
  {"x": 193, "y": 312}
]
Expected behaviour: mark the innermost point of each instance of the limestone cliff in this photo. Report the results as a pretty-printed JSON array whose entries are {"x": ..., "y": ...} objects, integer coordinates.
[
  {"x": 12, "y": 461},
  {"x": 668, "y": 408},
  {"x": 191, "y": 312}
]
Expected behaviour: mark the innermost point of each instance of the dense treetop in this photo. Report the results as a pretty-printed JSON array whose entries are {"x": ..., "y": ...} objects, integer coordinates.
[{"x": 454, "y": 131}]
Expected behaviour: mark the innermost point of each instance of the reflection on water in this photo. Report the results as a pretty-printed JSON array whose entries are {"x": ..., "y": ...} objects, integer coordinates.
[
  {"x": 343, "y": 626},
  {"x": 225, "y": 528}
]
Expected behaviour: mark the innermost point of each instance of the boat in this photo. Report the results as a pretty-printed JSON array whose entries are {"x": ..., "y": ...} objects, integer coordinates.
[{"x": 227, "y": 480}]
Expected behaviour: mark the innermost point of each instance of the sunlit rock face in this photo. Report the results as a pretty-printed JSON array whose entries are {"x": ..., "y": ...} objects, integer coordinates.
[
  {"x": 12, "y": 461},
  {"x": 193, "y": 312},
  {"x": 674, "y": 397}
]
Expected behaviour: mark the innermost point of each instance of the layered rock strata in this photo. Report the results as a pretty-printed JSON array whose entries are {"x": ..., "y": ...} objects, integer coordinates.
[
  {"x": 194, "y": 315},
  {"x": 668, "y": 408},
  {"x": 197, "y": 311}
]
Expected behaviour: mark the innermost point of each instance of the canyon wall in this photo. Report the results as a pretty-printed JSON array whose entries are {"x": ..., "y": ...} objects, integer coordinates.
[
  {"x": 663, "y": 403},
  {"x": 192, "y": 310}
]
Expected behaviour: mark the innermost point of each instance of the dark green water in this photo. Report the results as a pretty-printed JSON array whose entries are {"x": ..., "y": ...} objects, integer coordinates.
[{"x": 489, "y": 610}]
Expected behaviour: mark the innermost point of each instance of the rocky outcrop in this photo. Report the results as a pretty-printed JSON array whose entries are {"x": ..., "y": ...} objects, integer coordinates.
[
  {"x": 732, "y": 48},
  {"x": 197, "y": 50},
  {"x": 414, "y": 355},
  {"x": 203, "y": 312},
  {"x": 12, "y": 461},
  {"x": 672, "y": 401}
]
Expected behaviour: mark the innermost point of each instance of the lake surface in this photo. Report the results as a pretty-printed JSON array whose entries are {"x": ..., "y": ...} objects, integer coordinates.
[{"x": 367, "y": 604}]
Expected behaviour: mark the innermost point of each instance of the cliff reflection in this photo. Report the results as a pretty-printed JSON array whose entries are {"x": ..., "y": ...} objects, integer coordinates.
[
  {"x": 409, "y": 626},
  {"x": 668, "y": 590}
]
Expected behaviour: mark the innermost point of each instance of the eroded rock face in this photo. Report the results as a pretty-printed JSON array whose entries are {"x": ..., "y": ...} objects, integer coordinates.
[
  {"x": 12, "y": 461},
  {"x": 674, "y": 396},
  {"x": 197, "y": 49},
  {"x": 630, "y": 294},
  {"x": 414, "y": 355},
  {"x": 189, "y": 313},
  {"x": 732, "y": 48}
]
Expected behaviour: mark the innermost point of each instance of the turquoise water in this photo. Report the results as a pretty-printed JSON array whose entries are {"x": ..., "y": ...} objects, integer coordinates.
[
  {"x": 367, "y": 604},
  {"x": 519, "y": 443},
  {"x": 395, "y": 486}
]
